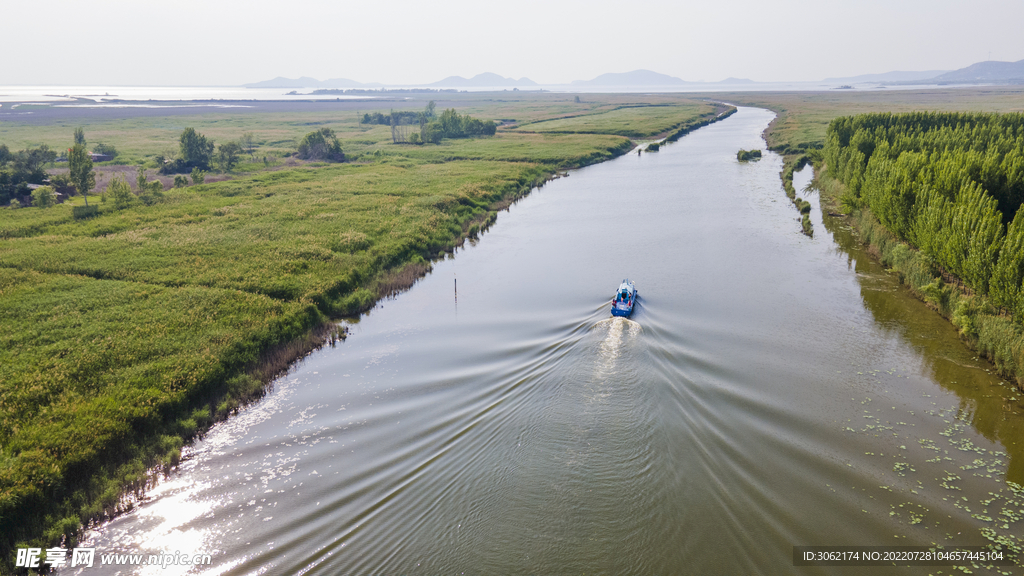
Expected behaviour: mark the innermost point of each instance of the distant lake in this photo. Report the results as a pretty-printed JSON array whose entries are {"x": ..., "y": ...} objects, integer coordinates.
[{"x": 104, "y": 94}]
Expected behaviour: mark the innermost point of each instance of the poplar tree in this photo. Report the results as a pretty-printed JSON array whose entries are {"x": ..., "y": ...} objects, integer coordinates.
[{"x": 80, "y": 170}]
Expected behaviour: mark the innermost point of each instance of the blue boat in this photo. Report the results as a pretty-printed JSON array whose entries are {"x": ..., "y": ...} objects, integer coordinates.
[{"x": 625, "y": 299}]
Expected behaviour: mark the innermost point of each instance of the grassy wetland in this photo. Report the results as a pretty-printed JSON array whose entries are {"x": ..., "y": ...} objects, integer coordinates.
[{"x": 128, "y": 333}]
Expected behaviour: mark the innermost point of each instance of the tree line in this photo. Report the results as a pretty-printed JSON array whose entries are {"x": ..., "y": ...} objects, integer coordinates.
[
  {"x": 433, "y": 128},
  {"x": 950, "y": 184}
]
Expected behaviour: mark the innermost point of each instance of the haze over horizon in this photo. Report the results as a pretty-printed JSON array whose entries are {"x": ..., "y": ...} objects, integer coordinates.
[{"x": 219, "y": 43}]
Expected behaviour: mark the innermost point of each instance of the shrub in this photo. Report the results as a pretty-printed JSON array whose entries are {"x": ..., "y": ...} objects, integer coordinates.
[
  {"x": 15, "y": 204},
  {"x": 180, "y": 181},
  {"x": 120, "y": 191},
  {"x": 746, "y": 155},
  {"x": 198, "y": 176},
  {"x": 83, "y": 212},
  {"x": 151, "y": 193},
  {"x": 321, "y": 145},
  {"x": 43, "y": 197},
  {"x": 107, "y": 149},
  {"x": 653, "y": 147}
]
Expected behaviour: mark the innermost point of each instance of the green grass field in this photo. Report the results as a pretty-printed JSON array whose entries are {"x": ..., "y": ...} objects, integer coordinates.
[
  {"x": 625, "y": 121},
  {"x": 128, "y": 333}
]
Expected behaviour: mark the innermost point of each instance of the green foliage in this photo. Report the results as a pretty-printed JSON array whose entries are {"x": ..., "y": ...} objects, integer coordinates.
[
  {"x": 322, "y": 144},
  {"x": 180, "y": 181},
  {"x": 454, "y": 125},
  {"x": 198, "y": 176},
  {"x": 83, "y": 212},
  {"x": 227, "y": 155},
  {"x": 79, "y": 137},
  {"x": 195, "y": 150},
  {"x": 19, "y": 169},
  {"x": 653, "y": 147},
  {"x": 80, "y": 170},
  {"x": 107, "y": 149},
  {"x": 944, "y": 182},
  {"x": 431, "y": 133},
  {"x": 15, "y": 204},
  {"x": 62, "y": 183},
  {"x": 401, "y": 117},
  {"x": 120, "y": 192},
  {"x": 43, "y": 197},
  {"x": 747, "y": 155},
  {"x": 151, "y": 193}
]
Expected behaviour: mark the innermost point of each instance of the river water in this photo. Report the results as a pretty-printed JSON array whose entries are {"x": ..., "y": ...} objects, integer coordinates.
[{"x": 771, "y": 390}]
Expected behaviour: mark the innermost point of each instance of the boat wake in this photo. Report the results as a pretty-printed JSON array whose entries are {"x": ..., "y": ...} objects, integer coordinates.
[{"x": 618, "y": 332}]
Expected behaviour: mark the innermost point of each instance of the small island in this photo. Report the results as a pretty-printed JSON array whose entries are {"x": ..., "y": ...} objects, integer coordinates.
[{"x": 748, "y": 155}]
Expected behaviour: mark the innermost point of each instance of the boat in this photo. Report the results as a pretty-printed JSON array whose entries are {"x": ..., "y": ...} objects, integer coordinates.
[{"x": 625, "y": 299}]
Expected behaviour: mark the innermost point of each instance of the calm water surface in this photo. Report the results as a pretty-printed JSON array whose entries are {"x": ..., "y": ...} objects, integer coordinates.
[{"x": 771, "y": 390}]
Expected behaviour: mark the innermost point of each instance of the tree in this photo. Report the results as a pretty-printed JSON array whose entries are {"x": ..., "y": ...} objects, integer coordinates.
[
  {"x": 431, "y": 132},
  {"x": 321, "y": 145},
  {"x": 145, "y": 186},
  {"x": 248, "y": 143},
  {"x": 22, "y": 168},
  {"x": 43, "y": 197},
  {"x": 120, "y": 191},
  {"x": 451, "y": 123},
  {"x": 79, "y": 136},
  {"x": 180, "y": 181},
  {"x": 227, "y": 155},
  {"x": 80, "y": 170},
  {"x": 196, "y": 150},
  {"x": 198, "y": 176}
]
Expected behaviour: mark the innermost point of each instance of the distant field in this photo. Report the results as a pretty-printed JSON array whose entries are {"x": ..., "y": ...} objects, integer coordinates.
[
  {"x": 652, "y": 121},
  {"x": 140, "y": 134},
  {"x": 126, "y": 334}
]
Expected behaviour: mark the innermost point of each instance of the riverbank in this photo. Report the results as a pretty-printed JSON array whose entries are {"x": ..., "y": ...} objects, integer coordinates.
[
  {"x": 133, "y": 331},
  {"x": 982, "y": 326}
]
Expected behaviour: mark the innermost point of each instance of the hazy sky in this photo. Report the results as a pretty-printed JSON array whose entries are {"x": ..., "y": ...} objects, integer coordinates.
[{"x": 220, "y": 42}]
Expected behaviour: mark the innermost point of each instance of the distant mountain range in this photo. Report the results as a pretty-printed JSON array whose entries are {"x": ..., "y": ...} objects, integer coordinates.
[
  {"x": 634, "y": 78},
  {"x": 483, "y": 80},
  {"x": 307, "y": 82},
  {"x": 984, "y": 73},
  {"x": 990, "y": 72},
  {"x": 648, "y": 78}
]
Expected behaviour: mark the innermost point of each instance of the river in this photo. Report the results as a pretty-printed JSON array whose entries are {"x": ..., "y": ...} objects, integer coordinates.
[{"x": 771, "y": 390}]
